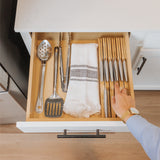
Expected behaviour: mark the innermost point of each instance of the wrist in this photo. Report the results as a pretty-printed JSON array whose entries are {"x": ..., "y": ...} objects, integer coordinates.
[
  {"x": 127, "y": 117},
  {"x": 128, "y": 113}
]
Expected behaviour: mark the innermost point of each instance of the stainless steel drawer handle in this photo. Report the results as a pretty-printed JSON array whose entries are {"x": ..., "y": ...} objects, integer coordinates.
[
  {"x": 65, "y": 135},
  {"x": 141, "y": 66}
]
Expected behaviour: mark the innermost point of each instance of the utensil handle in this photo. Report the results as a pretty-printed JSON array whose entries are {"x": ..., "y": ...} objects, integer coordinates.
[
  {"x": 61, "y": 64},
  {"x": 109, "y": 49},
  {"x": 68, "y": 68},
  {"x": 56, "y": 50},
  {"x": 39, "y": 104},
  {"x": 121, "y": 84}
]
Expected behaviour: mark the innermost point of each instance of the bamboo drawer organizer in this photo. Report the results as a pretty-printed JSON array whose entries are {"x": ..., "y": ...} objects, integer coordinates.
[{"x": 35, "y": 67}]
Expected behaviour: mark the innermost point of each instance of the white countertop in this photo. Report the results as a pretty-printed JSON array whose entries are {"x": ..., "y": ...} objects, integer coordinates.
[{"x": 87, "y": 15}]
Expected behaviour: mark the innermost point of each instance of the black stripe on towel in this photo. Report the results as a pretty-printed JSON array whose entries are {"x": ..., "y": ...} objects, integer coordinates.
[{"x": 84, "y": 73}]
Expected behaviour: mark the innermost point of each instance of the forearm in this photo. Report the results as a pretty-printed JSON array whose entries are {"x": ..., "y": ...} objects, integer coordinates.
[{"x": 147, "y": 134}]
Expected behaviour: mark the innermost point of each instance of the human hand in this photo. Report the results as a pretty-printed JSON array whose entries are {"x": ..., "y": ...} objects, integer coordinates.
[{"x": 121, "y": 102}]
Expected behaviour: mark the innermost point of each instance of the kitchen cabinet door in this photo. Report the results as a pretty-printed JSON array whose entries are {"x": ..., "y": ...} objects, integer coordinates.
[{"x": 149, "y": 77}]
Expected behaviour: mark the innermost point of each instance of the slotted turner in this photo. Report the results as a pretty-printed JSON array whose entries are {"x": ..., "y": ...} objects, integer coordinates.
[{"x": 54, "y": 104}]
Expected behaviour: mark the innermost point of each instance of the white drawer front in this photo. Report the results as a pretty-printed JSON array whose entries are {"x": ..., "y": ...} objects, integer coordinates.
[{"x": 79, "y": 126}]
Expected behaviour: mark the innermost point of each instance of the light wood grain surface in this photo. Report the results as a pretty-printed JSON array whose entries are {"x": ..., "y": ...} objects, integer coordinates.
[
  {"x": 48, "y": 147},
  {"x": 117, "y": 146}
]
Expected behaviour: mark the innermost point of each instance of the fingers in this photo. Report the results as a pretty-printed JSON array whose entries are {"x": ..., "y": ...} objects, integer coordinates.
[
  {"x": 124, "y": 91},
  {"x": 117, "y": 89}
]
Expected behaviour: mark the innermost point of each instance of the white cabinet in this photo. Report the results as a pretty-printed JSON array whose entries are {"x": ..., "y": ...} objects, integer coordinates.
[
  {"x": 146, "y": 44},
  {"x": 87, "y": 16},
  {"x": 149, "y": 76}
]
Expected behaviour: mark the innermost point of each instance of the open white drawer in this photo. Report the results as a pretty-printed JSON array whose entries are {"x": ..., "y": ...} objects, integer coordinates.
[{"x": 36, "y": 122}]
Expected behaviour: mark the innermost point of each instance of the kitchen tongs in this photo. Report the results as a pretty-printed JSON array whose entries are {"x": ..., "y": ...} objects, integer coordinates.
[
  {"x": 61, "y": 62},
  {"x": 64, "y": 79}
]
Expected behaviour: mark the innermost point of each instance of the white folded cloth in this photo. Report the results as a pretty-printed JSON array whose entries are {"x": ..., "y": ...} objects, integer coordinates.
[{"x": 82, "y": 98}]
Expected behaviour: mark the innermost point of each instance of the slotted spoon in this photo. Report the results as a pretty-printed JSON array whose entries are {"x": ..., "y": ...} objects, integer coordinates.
[
  {"x": 54, "y": 104},
  {"x": 44, "y": 53}
]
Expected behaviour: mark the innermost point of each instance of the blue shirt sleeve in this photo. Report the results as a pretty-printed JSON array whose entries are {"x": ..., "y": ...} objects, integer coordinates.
[{"x": 147, "y": 134}]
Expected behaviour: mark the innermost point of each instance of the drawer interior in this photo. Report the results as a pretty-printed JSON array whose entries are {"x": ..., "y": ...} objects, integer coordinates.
[{"x": 35, "y": 68}]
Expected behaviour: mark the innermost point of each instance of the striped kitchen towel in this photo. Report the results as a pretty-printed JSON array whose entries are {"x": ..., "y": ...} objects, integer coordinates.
[{"x": 82, "y": 98}]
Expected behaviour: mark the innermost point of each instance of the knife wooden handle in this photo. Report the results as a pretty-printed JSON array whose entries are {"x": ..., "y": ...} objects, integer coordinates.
[
  {"x": 108, "y": 40},
  {"x": 113, "y": 48},
  {"x": 126, "y": 86},
  {"x": 104, "y": 49},
  {"x": 122, "y": 48},
  {"x": 118, "y": 55},
  {"x": 121, "y": 85}
]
